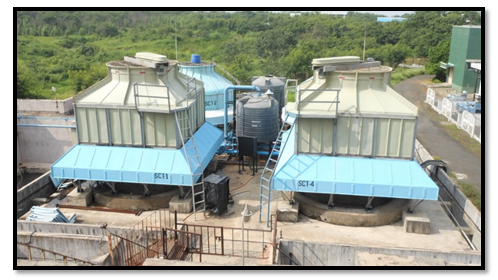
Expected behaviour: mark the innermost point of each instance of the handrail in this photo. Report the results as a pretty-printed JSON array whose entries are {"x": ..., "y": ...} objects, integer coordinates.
[
  {"x": 228, "y": 74},
  {"x": 299, "y": 101},
  {"x": 136, "y": 95},
  {"x": 290, "y": 88}
]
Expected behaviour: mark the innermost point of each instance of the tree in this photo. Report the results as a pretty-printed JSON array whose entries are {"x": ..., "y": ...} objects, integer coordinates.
[
  {"x": 24, "y": 82},
  {"x": 437, "y": 54}
]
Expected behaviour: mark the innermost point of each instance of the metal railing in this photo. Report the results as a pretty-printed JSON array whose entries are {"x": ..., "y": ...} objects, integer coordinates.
[
  {"x": 137, "y": 95},
  {"x": 299, "y": 101},
  {"x": 159, "y": 236},
  {"x": 228, "y": 74},
  {"x": 134, "y": 247}
]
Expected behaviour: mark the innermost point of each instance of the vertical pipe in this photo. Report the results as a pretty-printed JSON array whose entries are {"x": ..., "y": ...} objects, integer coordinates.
[
  {"x": 247, "y": 243},
  {"x": 243, "y": 217},
  {"x": 76, "y": 122},
  {"x": 200, "y": 251},
  {"x": 222, "y": 242},
  {"x": 176, "y": 220},
  {"x": 142, "y": 128},
  {"x": 357, "y": 93}
]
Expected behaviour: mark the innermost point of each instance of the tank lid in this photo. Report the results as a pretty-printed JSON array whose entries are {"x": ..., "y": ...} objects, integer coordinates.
[
  {"x": 151, "y": 56},
  {"x": 335, "y": 60}
]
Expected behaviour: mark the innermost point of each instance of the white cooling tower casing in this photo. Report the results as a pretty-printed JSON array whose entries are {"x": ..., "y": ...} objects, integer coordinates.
[{"x": 107, "y": 113}]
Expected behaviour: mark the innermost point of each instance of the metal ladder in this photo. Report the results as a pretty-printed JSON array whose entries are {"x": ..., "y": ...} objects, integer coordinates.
[
  {"x": 267, "y": 175},
  {"x": 228, "y": 74},
  {"x": 193, "y": 162}
]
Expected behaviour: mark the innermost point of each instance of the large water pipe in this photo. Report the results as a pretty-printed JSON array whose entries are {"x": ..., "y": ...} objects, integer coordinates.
[{"x": 225, "y": 118}]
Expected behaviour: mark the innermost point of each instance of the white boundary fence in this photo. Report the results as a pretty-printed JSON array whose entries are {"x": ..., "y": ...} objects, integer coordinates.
[
  {"x": 466, "y": 120},
  {"x": 431, "y": 96},
  {"x": 447, "y": 108}
]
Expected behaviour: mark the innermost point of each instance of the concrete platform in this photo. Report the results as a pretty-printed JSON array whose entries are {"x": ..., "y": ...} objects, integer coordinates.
[
  {"x": 84, "y": 198},
  {"x": 287, "y": 212},
  {"x": 369, "y": 259},
  {"x": 416, "y": 222},
  {"x": 386, "y": 214},
  {"x": 180, "y": 205},
  {"x": 244, "y": 188}
]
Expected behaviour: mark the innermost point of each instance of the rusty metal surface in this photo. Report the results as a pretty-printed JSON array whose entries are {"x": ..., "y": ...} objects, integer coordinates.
[{"x": 93, "y": 208}]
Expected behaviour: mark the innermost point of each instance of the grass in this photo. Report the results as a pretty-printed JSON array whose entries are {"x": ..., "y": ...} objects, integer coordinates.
[
  {"x": 453, "y": 131},
  {"x": 401, "y": 74},
  {"x": 468, "y": 190}
]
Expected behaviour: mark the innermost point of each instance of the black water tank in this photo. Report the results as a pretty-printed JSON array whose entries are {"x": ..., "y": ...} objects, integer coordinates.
[
  {"x": 257, "y": 116},
  {"x": 217, "y": 194}
]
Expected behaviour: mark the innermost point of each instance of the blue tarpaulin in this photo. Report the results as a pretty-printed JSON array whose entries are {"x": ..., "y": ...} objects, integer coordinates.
[
  {"x": 49, "y": 215},
  {"x": 378, "y": 177},
  {"x": 138, "y": 165}
]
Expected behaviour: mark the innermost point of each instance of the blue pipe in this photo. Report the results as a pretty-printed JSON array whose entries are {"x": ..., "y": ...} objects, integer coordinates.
[
  {"x": 46, "y": 125},
  {"x": 233, "y": 150},
  {"x": 225, "y": 118},
  {"x": 45, "y": 118}
]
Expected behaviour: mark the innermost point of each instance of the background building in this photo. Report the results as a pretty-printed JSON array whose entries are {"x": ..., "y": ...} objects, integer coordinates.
[{"x": 465, "y": 45}]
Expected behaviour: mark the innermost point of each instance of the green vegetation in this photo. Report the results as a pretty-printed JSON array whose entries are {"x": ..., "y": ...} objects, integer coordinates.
[
  {"x": 401, "y": 74},
  {"x": 463, "y": 138},
  {"x": 437, "y": 54},
  {"x": 469, "y": 191},
  {"x": 452, "y": 130},
  {"x": 68, "y": 49}
]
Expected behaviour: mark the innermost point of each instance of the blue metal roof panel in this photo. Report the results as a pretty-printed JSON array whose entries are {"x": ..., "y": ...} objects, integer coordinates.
[
  {"x": 137, "y": 165},
  {"x": 351, "y": 175},
  {"x": 355, "y": 176}
]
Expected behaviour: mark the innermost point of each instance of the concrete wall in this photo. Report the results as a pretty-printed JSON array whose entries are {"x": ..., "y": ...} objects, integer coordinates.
[
  {"x": 78, "y": 246},
  {"x": 44, "y": 144},
  {"x": 458, "y": 200},
  {"x": 322, "y": 254},
  {"x": 18, "y": 151},
  {"x": 48, "y": 227},
  {"x": 41, "y": 187},
  {"x": 44, "y": 105}
]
